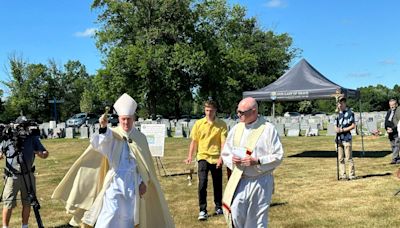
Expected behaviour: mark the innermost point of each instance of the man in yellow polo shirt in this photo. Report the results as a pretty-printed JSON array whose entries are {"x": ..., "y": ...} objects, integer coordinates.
[{"x": 208, "y": 137}]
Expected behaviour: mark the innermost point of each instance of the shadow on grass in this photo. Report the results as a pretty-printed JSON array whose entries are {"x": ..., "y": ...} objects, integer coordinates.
[
  {"x": 375, "y": 175},
  {"x": 332, "y": 154},
  {"x": 64, "y": 226},
  {"x": 276, "y": 204}
]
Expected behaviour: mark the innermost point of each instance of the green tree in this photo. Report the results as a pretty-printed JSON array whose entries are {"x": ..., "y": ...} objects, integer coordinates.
[
  {"x": 86, "y": 102},
  {"x": 2, "y": 108},
  {"x": 327, "y": 106},
  {"x": 33, "y": 85},
  {"x": 67, "y": 85},
  {"x": 72, "y": 83},
  {"x": 27, "y": 85},
  {"x": 240, "y": 56},
  {"x": 148, "y": 52},
  {"x": 305, "y": 107},
  {"x": 373, "y": 98},
  {"x": 163, "y": 52},
  {"x": 90, "y": 101}
]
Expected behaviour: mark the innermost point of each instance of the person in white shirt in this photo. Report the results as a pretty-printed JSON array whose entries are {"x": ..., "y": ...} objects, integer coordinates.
[
  {"x": 391, "y": 122},
  {"x": 114, "y": 183},
  {"x": 253, "y": 150}
]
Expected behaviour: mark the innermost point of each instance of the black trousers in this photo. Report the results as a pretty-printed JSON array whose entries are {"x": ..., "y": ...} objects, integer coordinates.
[{"x": 203, "y": 168}]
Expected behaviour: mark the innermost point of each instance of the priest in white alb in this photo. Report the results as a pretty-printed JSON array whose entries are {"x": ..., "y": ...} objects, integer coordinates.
[
  {"x": 252, "y": 150},
  {"x": 114, "y": 183}
]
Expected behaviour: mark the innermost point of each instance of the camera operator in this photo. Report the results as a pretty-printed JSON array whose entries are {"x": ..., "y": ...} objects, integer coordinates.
[{"x": 19, "y": 145}]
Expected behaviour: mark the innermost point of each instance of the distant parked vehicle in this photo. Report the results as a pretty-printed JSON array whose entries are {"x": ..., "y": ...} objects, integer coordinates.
[
  {"x": 185, "y": 118},
  {"x": 79, "y": 119},
  {"x": 92, "y": 118},
  {"x": 318, "y": 113},
  {"x": 289, "y": 114},
  {"x": 113, "y": 119}
]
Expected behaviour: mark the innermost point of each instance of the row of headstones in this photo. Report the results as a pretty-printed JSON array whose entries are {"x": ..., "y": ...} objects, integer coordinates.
[
  {"x": 310, "y": 124},
  {"x": 292, "y": 129},
  {"x": 302, "y": 119},
  {"x": 295, "y": 130},
  {"x": 182, "y": 128},
  {"x": 371, "y": 122},
  {"x": 85, "y": 132},
  {"x": 313, "y": 131},
  {"x": 51, "y": 131}
]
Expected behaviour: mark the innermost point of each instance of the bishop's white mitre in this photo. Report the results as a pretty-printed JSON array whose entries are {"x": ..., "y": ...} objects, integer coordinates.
[{"x": 125, "y": 105}]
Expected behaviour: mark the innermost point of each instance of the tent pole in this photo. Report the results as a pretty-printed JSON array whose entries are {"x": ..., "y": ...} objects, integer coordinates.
[
  {"x": 362, "y": 134},
  {"x": 273, "y": 109}
]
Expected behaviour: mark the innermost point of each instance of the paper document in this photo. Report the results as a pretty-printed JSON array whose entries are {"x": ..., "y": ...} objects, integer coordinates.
[{"x": 239, "y": 151}]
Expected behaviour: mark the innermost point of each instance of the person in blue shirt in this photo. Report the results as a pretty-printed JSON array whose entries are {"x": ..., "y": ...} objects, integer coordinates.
[
  {"x": 344, "y": 123},
  {"x": 19, "y": 149}
]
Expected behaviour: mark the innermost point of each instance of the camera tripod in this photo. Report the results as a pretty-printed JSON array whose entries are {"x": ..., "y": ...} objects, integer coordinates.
[{"x": 31, "y": 193}]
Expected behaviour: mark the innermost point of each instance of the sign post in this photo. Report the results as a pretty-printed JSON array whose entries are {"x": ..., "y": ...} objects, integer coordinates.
[
  {"x": 55, "y": 101},
  {"x": 273, "y": 98}
]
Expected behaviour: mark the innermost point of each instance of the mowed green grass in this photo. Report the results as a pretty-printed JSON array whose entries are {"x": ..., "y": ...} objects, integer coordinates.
[{"x": 307, "y": 193}]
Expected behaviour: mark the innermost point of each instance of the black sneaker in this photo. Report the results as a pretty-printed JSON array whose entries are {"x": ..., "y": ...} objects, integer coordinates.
[{"x": 219, "y": 212}]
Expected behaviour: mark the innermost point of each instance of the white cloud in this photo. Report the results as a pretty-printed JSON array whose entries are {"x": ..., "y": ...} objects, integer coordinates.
[
  {"x": 360, "y": 74},
  {"x": 275, "y": 4},
  {"x": 89, "y": 32},
  {"x": 388, "y": 62}
]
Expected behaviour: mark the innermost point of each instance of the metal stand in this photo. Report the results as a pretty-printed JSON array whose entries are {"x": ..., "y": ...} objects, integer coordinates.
[
  {"x": 31, "y": 192},
  {"x": 159, "y": 163},
  {"x": 398, "y": 176},
  {"x": 361, "y": 127},
  {"x": 337, "y": 155},
  {"x": 337, "y": 147}
]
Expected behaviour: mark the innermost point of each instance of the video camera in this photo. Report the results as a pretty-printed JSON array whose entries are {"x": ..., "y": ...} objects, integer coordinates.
[{"x": 17, "y": 132}]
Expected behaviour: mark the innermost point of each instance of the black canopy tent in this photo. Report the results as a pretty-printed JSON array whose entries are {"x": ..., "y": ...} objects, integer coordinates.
[{"x": 302, "y": 82}]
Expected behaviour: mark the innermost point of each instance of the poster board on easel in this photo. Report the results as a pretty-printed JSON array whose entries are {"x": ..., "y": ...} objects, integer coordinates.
[{"x": 155, "y": 134}]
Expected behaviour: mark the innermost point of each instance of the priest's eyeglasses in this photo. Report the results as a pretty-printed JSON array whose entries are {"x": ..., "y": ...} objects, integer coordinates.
[{"x": 241, "y": 113}]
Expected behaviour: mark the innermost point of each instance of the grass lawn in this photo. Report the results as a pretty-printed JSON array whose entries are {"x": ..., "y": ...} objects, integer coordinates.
[{"x": 307, "y": 193}]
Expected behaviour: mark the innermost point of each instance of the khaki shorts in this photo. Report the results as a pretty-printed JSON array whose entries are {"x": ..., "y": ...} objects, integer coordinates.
[{"x": 15, "y": 184}]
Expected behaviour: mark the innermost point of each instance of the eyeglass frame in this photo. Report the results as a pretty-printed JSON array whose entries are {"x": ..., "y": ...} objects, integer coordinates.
[{"x": 242, "y": 113}]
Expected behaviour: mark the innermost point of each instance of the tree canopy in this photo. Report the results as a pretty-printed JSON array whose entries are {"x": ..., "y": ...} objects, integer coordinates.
[
  {"x": 33, "y": 86},
  {"x": 170, "y": 54}
]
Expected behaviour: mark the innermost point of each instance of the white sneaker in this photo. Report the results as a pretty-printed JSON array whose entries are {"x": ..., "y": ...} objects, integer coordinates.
[
  {"x": 343, "y": 178},
  {"x": 202, "y": 215},
  {"x": 353, "y": 178}
]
